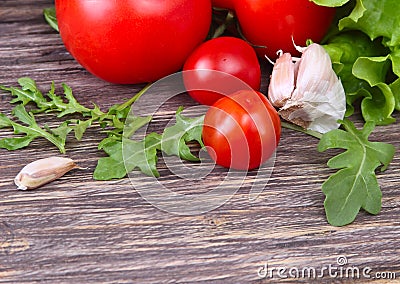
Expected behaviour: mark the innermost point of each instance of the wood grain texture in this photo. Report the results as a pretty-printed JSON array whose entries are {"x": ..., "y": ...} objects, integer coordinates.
[{"x": 78, "y": 230}]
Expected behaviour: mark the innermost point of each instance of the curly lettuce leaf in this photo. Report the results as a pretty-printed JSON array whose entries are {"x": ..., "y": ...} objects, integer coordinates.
[
  {"x": 376, "y": 18},
  {"x": 363, "y": 68},
  {"x": 330, "y": 3},
  {"x": 379, "y": 102}
]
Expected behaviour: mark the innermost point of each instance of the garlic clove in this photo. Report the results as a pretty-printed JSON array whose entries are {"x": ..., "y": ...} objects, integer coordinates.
[
  {"x": 314, "y": 71},
  {"x": 43, "y": 171},
  {"x": 281, "y": 84}
]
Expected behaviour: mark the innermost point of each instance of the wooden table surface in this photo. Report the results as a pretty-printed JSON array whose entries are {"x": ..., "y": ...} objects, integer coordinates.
[{"x": 78, "y": 230}]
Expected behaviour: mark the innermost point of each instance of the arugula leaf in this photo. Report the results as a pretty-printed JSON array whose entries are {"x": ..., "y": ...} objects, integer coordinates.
[
  {"x": 31, "y": 130},
  {"x": 5, "y": 121},
  {"x": 80, "y": 128},
  {"x": 113, "y": 166},
  {"x": 16, "y": 143},
  {"x": 140, "y": 154},
  {"x": 126, "y": 155},
  {"x": 27, "y": 93},
  {"x": 65, "y": 105},
  {"x": 50, "y": 17},
  {"x": 174, "y": 138},
  {"x": 67, "y": 108},
  {"x": 355, "y": 185}
]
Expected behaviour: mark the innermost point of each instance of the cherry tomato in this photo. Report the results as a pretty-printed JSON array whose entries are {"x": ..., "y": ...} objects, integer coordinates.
[
  {"x": 241, "y": 131},
  {"x": 229, "y": 55},
  {"x": 273, "y": 23},
  {"x": 129, "y": 41}
]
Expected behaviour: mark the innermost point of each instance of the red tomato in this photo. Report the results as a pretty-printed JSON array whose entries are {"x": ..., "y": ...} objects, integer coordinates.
[
  {"x": 230, "y": 55},
  {"x": 241, "y": 131},
  {"x": 129, "y": 41},
  {"x": 273, "y": 23}
]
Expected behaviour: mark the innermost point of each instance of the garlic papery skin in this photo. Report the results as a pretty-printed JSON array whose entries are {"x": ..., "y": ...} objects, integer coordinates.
[
  {"x": 282, "y": 80},
  {"x": 318, "y": 99},
  {"x": 43, "y": 171}
]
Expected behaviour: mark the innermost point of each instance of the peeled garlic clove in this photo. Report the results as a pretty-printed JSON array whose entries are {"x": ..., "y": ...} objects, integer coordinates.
[
  {"x": 43, "y": 171},
  {"x": 318, "y": 99}
]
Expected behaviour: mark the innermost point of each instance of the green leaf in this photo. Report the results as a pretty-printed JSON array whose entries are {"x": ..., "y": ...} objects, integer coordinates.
[
  {"x": 395, "y": 87},
  {"x": 27, "y": 93},
  {"x": 80, "y": 128},
  {"x": 142, "y": 154},
  {"x": 56, "y": 136},
  {"x": 363, "y": 68},
  {"x": 330, "y": 3},
  {"x": 379, "y": 103},
  {"x": 72, "y": 106},
  {"x": 174, "y": 138},
  {"x": 50, "y": 17},
  {"x": 355, "y": 185},
  {"x": 376, "y": 18},
  {"x": 133, "y": 123},
  {"x": 113, "y": 166},
  {"x": 125, "y": 155},
  {"x": 5, "y": 121},
  {"x": 21, "y": 113},
  {"x": 16, "y": 143},
  {"x": 137, "y": 154},
  {"x": 61, "y": 132}
]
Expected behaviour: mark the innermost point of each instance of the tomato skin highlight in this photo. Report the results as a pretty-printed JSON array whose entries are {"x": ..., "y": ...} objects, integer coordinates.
[
  {"x": 129, "y": 41},
  {"x": 241, "y": 131},
  {"x": 230, "y": 55}
]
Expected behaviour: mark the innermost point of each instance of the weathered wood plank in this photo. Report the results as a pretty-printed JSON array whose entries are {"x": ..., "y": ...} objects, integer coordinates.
[{"x": 77, "y": 230}]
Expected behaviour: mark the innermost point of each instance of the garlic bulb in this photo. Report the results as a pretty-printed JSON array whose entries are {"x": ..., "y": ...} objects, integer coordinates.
[{"x": 307, "y": 91}]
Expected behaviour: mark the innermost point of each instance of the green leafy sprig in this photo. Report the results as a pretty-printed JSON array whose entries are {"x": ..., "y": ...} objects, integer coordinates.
[
  {"x": 117, "y": 125},
  {"x": 142, "y": 154},
  {"x": 32, "y": 130}
]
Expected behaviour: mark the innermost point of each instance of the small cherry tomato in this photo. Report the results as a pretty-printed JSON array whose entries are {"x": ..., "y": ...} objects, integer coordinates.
[
  {"x": 229, "y": 55},
  {"x": 241, "y": 131}
]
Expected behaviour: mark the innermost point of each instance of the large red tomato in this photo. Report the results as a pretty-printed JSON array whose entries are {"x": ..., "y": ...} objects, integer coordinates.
[
  {"x": 241, "y": 131},
  {"x": 229, "y": 55},
  {"x": 273, "y": 23},
  {"x": 132, "y": 41}
]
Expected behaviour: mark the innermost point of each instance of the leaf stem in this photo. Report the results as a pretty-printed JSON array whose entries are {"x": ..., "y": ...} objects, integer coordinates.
[
  {"x": 134, "y": 98},
  {"x": 312, "y": 133},
  {"x": 229, "y": 20}
]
